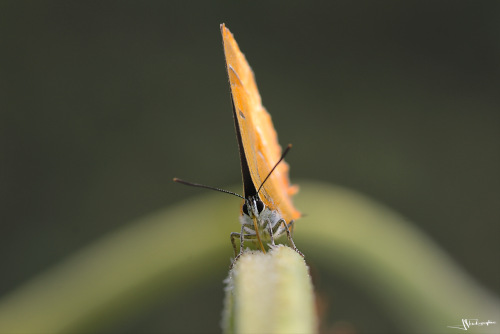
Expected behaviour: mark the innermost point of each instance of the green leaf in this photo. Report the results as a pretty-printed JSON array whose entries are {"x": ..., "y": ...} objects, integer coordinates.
[{"x": 165, "y": 254}]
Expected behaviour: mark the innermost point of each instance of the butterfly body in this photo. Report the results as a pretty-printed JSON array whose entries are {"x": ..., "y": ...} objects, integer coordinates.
[
  {"x": 261, "y": 223},
  {"x": 266, "y": 219}
]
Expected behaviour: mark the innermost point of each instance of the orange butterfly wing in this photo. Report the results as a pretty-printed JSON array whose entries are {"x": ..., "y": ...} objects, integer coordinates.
[{"x": 260, "y": 141}]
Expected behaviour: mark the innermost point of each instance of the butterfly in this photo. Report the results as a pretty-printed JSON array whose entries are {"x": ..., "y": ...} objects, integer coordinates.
[{"x": 267, "y": 210}]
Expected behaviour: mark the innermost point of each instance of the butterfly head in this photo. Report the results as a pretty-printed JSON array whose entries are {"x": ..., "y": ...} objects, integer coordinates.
[{"x": 253, "y": 206}]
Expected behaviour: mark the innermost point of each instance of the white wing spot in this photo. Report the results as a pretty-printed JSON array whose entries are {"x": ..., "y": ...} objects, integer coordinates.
[
  {"x": 262, "y": 137},
  {"x": 236, "y": 74}
]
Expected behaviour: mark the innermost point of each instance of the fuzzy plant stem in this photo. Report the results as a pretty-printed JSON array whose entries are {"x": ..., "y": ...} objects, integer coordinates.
[{"x": 269, "y": 293}]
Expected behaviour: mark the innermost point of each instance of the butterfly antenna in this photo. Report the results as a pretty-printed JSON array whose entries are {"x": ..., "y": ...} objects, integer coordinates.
[
  {"x": 276, "y": 165},
  {"x": 206, "y": 187}
]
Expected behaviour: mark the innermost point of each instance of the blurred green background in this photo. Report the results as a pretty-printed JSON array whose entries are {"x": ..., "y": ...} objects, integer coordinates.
[{"x": 102, "y": 103}]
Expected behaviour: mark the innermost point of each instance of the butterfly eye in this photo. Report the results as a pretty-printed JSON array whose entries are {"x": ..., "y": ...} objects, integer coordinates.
[
  {"x": 245, "y": 209},
  {"x": 260, "y": 206}
]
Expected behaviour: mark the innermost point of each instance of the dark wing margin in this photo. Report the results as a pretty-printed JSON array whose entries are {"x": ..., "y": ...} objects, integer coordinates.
[{"x": 248, "y": 186}]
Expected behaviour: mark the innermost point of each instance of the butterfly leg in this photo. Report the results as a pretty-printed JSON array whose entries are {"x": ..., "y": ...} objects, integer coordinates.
[
  {"x": 269, "y": 227},
  {"x": 289, "y": 235},
  {"x": 235, "y": 235}
]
